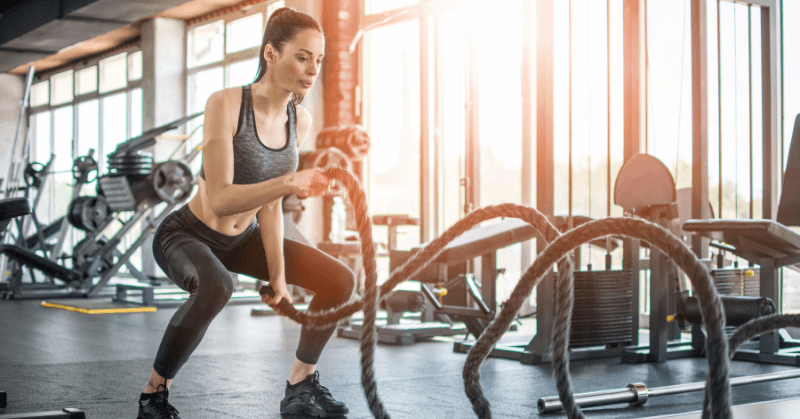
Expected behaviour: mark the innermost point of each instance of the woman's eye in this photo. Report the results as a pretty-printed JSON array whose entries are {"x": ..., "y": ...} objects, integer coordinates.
[{"x": 302, "y": 58}]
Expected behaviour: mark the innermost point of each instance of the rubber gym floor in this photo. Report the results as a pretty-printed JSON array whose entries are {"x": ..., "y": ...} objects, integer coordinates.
[{"x": 51, "y": 359}]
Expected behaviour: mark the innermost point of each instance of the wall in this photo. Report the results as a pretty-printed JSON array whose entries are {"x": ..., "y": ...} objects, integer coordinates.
[
  {"x": 163, "y": 94},
  {"x": 12, "y": 87},
  {"x": 311, "y": 225}
]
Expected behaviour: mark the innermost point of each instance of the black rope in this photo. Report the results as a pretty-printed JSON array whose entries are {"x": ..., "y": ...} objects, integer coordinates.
[{"x": 558, "y": 251}]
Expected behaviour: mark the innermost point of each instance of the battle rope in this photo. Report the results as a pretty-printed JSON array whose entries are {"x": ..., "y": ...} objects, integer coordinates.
[
  {"x": 557, "y": 252},
  {"x": 751, "y": 329}
]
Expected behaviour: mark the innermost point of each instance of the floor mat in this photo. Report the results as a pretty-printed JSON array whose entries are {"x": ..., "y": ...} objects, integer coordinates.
[{"x": 97, "y": 306}]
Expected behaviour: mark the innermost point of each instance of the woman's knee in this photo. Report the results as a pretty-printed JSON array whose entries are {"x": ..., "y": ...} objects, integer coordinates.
[
  {"x": 345, "y": 284},
  {"x": 215, "y": 291}
]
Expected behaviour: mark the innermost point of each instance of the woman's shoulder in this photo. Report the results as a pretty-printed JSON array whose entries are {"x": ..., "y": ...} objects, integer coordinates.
[
  {"x": 303, "y": 122},
  {"x": 303, "y": 116},
  {"x": 223, "y": 108},
  {"x": 227, "y": 96}
]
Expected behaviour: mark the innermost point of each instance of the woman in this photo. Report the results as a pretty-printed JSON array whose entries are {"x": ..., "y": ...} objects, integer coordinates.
[{"x": 235, "y": 223}]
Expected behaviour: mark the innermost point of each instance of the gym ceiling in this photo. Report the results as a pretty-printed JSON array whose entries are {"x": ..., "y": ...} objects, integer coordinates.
[{"x": 54, "y": 33}]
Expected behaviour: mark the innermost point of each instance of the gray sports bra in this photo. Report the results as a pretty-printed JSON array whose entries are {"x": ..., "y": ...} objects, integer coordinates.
[{"x": 254, "y": 162}]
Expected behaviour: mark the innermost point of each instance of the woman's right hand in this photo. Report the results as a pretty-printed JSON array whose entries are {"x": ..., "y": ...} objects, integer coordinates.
[{"x": 311, "y": 182}]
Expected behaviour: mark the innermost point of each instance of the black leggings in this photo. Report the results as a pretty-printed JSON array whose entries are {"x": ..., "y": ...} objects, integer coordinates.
[{"x": 199, "y": 259}]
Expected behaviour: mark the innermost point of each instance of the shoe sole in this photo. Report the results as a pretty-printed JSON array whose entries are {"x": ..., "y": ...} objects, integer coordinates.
[{"x": 299, "y": 409}]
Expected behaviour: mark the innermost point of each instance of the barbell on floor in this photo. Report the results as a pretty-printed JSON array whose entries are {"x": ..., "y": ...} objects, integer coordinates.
[{"x": 637, "y": 394}]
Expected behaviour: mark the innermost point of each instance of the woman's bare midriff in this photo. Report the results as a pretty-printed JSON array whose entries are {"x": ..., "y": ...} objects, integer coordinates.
[{"x": 232, "y": 225}]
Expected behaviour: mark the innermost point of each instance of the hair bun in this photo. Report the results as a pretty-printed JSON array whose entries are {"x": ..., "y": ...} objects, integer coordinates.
[{"x": 278, "y": 12}]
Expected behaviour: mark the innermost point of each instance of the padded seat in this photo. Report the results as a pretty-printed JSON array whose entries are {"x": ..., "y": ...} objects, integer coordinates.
[
  {"x": 753, "y": 239},
  {"x": 14, "y": 207},
  {"x": 469, "y": 245},
  {"x": 478, "y": 241}
]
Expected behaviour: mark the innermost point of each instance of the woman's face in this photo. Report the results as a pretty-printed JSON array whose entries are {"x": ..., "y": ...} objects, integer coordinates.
[{"x": 297, "y": 66}]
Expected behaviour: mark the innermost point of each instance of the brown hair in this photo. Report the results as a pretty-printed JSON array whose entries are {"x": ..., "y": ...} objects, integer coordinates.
[{"x": 282, "y": 26}]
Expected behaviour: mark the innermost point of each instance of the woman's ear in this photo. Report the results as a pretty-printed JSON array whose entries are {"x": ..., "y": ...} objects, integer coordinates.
[{"x": 270, "y": 54}]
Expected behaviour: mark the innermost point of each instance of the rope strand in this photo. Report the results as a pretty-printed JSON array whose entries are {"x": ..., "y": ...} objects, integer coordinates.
[{"x": 558, "y": 251}]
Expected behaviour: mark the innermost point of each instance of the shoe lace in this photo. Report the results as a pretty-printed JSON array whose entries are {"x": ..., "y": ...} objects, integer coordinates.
[
  {"x": 319, "y": 387},
  {"x": 165, "y": 408}
]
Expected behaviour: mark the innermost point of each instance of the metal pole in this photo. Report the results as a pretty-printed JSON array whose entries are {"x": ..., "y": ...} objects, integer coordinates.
[
  {"x": 14, "y": 165},
  {"x": 719, "y": 115},
  {"x": 637, "y": 394}
]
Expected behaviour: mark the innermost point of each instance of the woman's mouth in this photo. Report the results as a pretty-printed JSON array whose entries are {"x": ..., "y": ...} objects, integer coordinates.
[{"x": 307, "y": 84}]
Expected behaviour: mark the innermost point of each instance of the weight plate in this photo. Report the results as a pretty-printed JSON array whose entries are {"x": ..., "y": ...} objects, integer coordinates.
[
  {"x": 73, "y": 211},
  {"x": 132, "y": 155},
  {"x": 88, "y": 213},
  {"x": 82, "y": 168},
  {"x": 33, "y": 174},
  {"x": 130, "y": 166},
  {"x": 130, "y": 161},
  {"x": 86, "y": 250},
  {"x": 172, "y": 181},
  {"x": 131, "y": 172}
]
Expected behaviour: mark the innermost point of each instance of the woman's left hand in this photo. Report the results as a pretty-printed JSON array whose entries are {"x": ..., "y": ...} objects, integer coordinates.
[{"x": 281, "y": 293}]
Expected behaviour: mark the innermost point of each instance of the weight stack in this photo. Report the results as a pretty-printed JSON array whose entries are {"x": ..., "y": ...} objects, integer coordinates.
[
  {"x": 131, "y": 165},
  {"x": 117, "y": 192},
  {"x": 603, "y": 312},
  {"x": 737, "y": 281},
  {"x": 123, "y": 184}
]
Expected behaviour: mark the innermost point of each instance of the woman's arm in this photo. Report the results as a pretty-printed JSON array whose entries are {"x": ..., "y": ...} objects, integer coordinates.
[
  {"x": 270, "y": 223},
  {"x": 229, "y": 199}
]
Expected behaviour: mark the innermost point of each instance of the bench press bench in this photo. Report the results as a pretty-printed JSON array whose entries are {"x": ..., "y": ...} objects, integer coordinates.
[
  {"x": 481, "y": 242},
  {"x": 11, "y": 208},
  {"x": 772, "y": 245}
]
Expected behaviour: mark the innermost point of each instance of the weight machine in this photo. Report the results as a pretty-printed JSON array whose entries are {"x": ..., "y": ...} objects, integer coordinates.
[
  {"x": 11, "y": 209},
  {"x": 133, "y": 184},
  {"x": 771, "y": 245}
]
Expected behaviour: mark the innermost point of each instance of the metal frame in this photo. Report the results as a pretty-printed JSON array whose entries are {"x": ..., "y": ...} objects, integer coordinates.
[
  {"x": 771, "y": 134},
  {"x": 633, "y": 105}
]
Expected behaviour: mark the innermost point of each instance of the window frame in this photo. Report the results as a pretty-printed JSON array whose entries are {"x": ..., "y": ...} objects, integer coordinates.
[
  {"x": 233, "y": 57},
  {"x": 77, "y": 100}
]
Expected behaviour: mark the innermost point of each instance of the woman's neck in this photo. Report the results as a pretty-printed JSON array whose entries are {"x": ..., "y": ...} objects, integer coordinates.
[{"x": 272, "y": 99}]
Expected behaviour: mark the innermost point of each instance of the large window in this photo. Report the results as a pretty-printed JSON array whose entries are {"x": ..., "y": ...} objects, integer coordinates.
[
  {"x": 735, "y": 112},
  {"x": 223, "y": 53},
  {"x": 450, "y": 145},
  {"x": 791, "y": 110},
  {"x": 113, "y": 73},
  {"x": 392, "y": 118},
  {"x": 791, "y": 70},
  {"x": 244, "y": 33},
  {"x": 206, "y": 44},
  {"x": 95, "y": 106},
  {"x": 378, "y": 6},
  {"x": 88, "y": 133}
]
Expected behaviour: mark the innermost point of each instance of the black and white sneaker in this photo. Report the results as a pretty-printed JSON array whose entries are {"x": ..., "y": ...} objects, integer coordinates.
[
  {"x": 309, "y": 397},
  {"x": 156, "y": 406}
]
